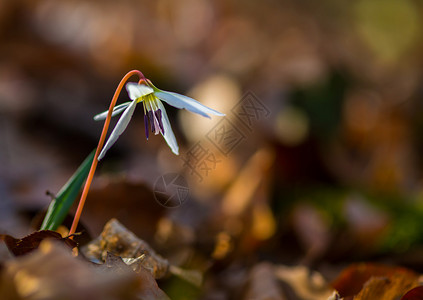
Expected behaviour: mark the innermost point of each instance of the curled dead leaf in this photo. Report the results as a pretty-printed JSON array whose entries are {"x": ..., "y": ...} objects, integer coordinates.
[
  {"x": 117, "y": 239},
  {"x": 352, "y": 280},
  {"x": 31, "y": 242},
  {"x": 136, "y": 253}
]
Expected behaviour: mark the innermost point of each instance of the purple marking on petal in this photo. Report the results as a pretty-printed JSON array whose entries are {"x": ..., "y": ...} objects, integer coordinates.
[
  {"x": 158, "y": 114},
  {"x": 146, "y": 126},
  {"x": 151, "y": 119}
]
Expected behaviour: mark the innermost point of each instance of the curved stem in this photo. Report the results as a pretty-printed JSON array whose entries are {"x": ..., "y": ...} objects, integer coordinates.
[{"x": 100, "y": 146}]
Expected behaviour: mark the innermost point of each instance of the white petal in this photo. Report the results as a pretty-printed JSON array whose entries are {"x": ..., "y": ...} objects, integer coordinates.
[
  {"x": 136, "y": 90},
  {"x": 116, "y": 110},
  {"x": 181, "y": 101},
  {"x": 119, "y": 128},
  {"x": 168, "y": 133}
]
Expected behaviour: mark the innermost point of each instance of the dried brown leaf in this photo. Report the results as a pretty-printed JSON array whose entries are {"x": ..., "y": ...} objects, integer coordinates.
[
  {"x": 306, "y": 284},
  {"x": 51, "y": 272},
  {"x": 31, "y": 242},
  {"x": 118, "y": 240},
  {"x": 351, "y": 281},
  {"x": 147, "y": 289},
  {"x": 387, "y": 288}
]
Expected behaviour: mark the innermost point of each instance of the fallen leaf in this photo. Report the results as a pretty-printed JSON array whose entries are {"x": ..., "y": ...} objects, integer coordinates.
[
  {"x": 31, "y": 242},
  {"x": 307, "y": 284},
  {"x": 147, "y": 289},
  {"x": 118, "y": 240},
  {"x": 136, "y": 253},
  {"x": 386, "y": 288},
  {"x": 414, "y": 294},
  {"x": 51, "y": 272},
  {"x": 351, "y": 280}
]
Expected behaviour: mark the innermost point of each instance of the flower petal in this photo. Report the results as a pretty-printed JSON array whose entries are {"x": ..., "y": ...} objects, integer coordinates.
[
  {"x": 136, "y": 90},
  {"x": 119, "y": 128},
  {"x": 181, "y": 101},
  {"x": 168, "y": 133},
  {"x": 116, "y": 110}
]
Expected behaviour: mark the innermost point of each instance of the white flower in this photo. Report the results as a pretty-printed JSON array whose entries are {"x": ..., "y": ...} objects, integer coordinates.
[{"x": 154, "y": 112}]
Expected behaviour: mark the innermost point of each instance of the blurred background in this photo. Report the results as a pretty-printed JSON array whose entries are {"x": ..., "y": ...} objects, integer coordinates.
[{"x": 317, "y": 161}]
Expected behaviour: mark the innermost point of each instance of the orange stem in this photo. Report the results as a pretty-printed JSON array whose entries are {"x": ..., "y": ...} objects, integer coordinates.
[{"x": 100, "y": 146}]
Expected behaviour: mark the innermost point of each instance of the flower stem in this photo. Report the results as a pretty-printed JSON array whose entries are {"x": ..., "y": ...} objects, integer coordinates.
[{"x": 100, "y": 146}]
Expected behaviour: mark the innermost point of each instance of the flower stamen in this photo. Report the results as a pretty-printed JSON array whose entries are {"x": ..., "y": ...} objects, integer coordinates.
[
  {"x": 151, "y": 120},
  {"x": 158, "y": 114},
  {"x": 146, "y": 125}
]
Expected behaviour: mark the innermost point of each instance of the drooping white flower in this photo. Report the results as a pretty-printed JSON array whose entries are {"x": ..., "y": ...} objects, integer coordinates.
[{"x": 154, "y": 112}]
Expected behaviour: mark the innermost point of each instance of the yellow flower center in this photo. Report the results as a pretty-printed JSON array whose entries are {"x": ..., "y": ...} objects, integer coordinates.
[{"x": 149, "y": 102}]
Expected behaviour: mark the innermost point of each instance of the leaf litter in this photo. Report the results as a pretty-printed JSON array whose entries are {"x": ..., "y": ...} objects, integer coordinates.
[
  {"x": 135, "y": 252},
  {"x": 259, "y": 250}
]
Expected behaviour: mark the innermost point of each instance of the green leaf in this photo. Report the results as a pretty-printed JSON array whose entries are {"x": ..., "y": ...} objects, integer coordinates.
[{"x": 59, "y": 207}]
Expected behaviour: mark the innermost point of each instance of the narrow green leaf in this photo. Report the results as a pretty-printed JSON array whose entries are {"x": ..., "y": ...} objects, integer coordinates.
[{"x": 59, "y": 207}]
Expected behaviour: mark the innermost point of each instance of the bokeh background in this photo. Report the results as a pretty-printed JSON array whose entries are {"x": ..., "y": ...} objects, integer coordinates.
[{"x": 328, "y": 172}]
